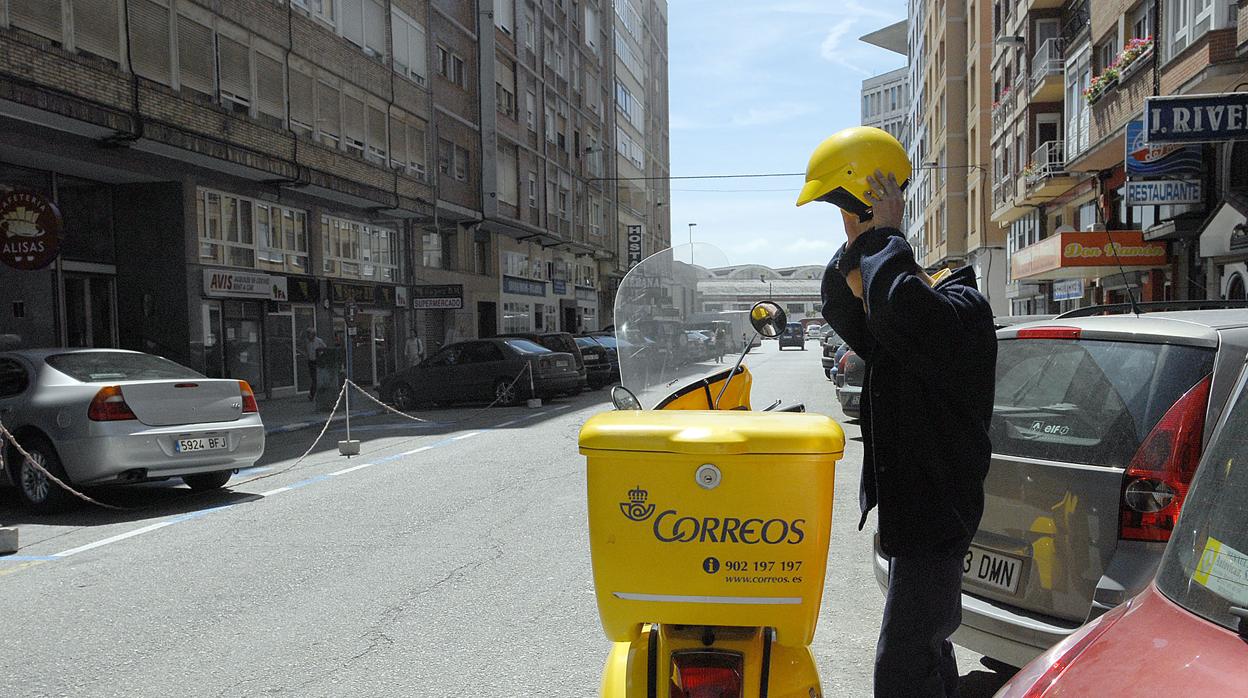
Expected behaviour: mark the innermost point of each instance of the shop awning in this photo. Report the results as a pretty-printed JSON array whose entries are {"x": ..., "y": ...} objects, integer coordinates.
[
  {"x": 1226, "y": 234},
  {"x": 1087, "y": 256}
]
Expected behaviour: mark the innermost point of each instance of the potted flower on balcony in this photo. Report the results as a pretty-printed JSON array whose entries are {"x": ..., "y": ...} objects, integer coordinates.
[
  {"x": 1134, "y": 55},
  {"x": 1030, "y": 171},
  {"x": 1101, "y": 83}
]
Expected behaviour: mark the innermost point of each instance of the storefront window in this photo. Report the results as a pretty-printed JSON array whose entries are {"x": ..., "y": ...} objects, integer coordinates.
[
  {"x": 241, "y": 232},
  {"x": 359, "y": 250},
  {"x": 431, "y": 250},
  {"x": 516, "y": 317}
]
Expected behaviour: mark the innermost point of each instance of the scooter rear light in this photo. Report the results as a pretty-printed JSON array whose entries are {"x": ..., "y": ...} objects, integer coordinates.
[
  {"x": 109, "y": 405},
  {"x": 249, "y": 398},
  {"x": 707, "y": 674},
  {"x": 1160, "y": 473}
]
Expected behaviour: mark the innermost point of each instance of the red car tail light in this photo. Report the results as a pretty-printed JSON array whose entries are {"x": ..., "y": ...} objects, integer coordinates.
[
  {"x": 1050, "y": 333},
  {"x": 840, "y": 368},
  {"x": 109, "y": 405},
  {"x": 249, "y": 398},
  {"x": 1158, "y": 477},
  {"x": 708, "y": 674}
]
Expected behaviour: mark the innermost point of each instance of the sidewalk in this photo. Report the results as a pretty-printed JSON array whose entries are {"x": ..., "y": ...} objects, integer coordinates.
[{"x": 287, "y": 414}]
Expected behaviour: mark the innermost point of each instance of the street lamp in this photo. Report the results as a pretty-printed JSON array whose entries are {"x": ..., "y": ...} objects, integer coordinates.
[{"x": 691, "y": 227}]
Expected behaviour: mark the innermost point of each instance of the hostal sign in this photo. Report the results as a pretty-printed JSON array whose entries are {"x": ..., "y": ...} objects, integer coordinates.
[{"x": 30, "y": 231}]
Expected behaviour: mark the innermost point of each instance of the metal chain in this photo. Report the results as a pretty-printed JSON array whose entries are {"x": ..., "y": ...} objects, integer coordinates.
[
  {"x": 329, "y": 420},
  {"x": 468, "y": 417},
  {"x": 38, "y": 466}
]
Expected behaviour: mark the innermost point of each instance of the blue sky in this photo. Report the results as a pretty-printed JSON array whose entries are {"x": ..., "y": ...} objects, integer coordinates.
[{"x": 755, "y": 85}]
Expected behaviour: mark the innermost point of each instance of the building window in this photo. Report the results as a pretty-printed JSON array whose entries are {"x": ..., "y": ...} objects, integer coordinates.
[
  {"x": 530, "y": 113},
  {"x": 149, "y": 41},
  {"x": 377, "y": 146},
  {"x": 328, "y": 114},
  {"x": 445, "y": 149},
  {"x": 505, "y": 84},
  {"x": 364, "y": 24},
  {"x": 532, "y": 189},
  {"x": 357, "y": 250},
  {"x": 353, "y": 125},
  {"x": 407, "y": 145},
  {"x": 517, "y": 317},
  {"x": 409, "y": 47},
  {"x": 302, "y": 102},
  {"x": 1187, "y": 21},
  {"x": 196, "y": 59},
  {"x": 242, "y": 232},
  {"x": 461, "y": 164},
  {"x": 320, "y": 9},
  {"x": 508, "y": 176},
  {"x": 234, "y": 62},
  {"x": 505, "y": 15},
  {"x": 458, "y": 74},
  {"x": 431, "y": 250}
]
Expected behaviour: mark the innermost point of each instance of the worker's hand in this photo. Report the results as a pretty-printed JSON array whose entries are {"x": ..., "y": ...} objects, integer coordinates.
[{"x": 888, "y": 204}]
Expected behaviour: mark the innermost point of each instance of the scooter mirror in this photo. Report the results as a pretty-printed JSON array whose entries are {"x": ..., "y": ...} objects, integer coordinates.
[
  {"x": 768, "y": 318},
  {"x": 624, "y": 399}
]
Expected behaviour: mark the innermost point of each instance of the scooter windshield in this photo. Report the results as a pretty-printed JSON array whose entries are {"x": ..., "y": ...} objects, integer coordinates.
[{"x": 670, "y": 333}]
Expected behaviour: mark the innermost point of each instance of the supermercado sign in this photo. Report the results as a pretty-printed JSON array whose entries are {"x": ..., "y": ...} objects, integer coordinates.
[{"x": 1196, "y": 118}]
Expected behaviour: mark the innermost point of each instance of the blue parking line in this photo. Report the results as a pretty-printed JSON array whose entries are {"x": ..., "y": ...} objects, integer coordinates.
[{"x": 27, "y": 558}]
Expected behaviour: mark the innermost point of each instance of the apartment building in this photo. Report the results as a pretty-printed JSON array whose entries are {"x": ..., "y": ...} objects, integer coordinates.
[
  {"x": 1068, "y": 143},
  {"x": 207, "y": 180},
  {"x": 946, "y": 129},
  {"x": 643, "y": 218},
  {"x": 886, "y": 101}
]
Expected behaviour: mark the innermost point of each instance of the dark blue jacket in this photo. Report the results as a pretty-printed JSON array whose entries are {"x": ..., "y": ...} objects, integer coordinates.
[{"x": 931, "y": 355}]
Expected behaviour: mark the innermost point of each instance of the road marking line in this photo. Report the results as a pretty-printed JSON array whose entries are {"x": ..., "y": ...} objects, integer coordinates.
[
  {"x": 33, "y": 560},
  {"x": 344, "y": 471},
  {"x": 122, "y": 536},
  {"x": 26, "y": 558}
]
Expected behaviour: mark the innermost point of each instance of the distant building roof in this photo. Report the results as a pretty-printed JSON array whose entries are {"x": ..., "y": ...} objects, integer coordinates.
[{"x": 892, "y": 37}]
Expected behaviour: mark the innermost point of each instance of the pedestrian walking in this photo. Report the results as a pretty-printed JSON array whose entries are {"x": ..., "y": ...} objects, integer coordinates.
[
  {"x": 414, "y": 350},
  {"x": 312, "y": 347},
  {"x": 720, "y": 344},
  {"x": 930, "y": 349}
]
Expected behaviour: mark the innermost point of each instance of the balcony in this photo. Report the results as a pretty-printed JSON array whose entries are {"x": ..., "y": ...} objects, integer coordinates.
[
  {"x": 1046, "y": 176},
  {"x": 1048, "y": 69},
  {"x": 1003, "y": 109}
]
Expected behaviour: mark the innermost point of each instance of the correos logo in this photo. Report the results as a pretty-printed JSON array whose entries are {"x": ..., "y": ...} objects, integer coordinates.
[{"x": 670, "y": 527}]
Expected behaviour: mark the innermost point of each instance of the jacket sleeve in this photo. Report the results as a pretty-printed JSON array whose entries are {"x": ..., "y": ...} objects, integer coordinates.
[
  {"x": 844, "y": 312},
  {"x": 918, "y": 325}
]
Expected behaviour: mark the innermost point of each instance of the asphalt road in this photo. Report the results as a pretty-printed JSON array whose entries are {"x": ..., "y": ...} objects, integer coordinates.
[{"x": 449, "y": 559}]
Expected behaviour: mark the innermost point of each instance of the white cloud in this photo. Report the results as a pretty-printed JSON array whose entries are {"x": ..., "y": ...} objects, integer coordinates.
[{"x": 834, "y": 51}]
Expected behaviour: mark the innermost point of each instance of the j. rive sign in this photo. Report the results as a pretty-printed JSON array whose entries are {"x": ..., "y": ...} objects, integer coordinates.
[{"x": 1196, "y": 118}]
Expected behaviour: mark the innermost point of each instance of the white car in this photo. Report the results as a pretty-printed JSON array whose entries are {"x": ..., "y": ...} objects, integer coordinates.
[{"x": 107, "y": 416}]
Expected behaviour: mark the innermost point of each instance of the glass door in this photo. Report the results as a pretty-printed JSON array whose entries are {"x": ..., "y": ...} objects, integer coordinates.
[
  {"x": 279, "y": 335},
  {"x": 90, "y": 310},
  {"x": 244, "y": 341},
  {"x": 305, "y": 317}
]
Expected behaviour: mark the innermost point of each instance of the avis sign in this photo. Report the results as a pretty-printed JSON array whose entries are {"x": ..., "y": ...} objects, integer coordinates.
[
  {"x": 1196, "y": 118},
  {"x": 30, "y": 231}
]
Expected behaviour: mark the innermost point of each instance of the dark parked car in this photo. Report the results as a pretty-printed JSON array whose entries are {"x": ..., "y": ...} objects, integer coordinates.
[
  {"x": 794, "y": 335},
  {"x": 602, "y": 365},
  {"x": 838, "y": 374},
  {"x": 850, "y": 376},
  {"x": 830, "y": 344},
  {"x": 482, "y": 370},
  {"x": 561, "y": 342}
]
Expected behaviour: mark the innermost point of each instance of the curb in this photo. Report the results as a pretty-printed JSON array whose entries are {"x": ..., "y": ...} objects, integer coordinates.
[{"x": 299, "y": 426}]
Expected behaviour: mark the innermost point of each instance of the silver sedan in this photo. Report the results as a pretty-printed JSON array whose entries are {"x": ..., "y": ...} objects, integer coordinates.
[{"x": 105, "y": 416}]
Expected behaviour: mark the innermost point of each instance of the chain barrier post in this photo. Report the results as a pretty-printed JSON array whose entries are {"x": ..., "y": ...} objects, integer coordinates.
[
  {"x": 350, "y": 447},
  {"x": 8, "y": 534},
  {"x": 534, "y": 401}
]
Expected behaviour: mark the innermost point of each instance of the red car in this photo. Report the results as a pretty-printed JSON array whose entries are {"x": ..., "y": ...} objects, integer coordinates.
[{"x": 1187, "y": 633}]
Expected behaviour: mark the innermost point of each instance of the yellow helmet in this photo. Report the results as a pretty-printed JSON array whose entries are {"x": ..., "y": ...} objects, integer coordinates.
[{"x": 839, "y": 168}]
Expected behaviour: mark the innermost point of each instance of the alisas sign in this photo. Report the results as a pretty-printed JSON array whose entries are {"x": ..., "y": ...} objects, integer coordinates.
[{"x": 30, "y": 231}]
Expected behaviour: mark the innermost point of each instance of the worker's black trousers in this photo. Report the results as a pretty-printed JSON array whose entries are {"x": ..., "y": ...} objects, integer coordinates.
[{"x": 922, "y": 608}]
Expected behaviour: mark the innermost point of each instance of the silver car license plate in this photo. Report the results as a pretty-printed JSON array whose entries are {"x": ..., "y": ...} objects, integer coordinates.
[
  {"x": 205, "y": 443},
  {"x": 992, "y": 570}
]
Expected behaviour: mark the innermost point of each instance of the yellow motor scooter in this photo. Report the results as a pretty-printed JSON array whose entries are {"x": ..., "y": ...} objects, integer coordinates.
[{"x": 708, "y": 522}]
